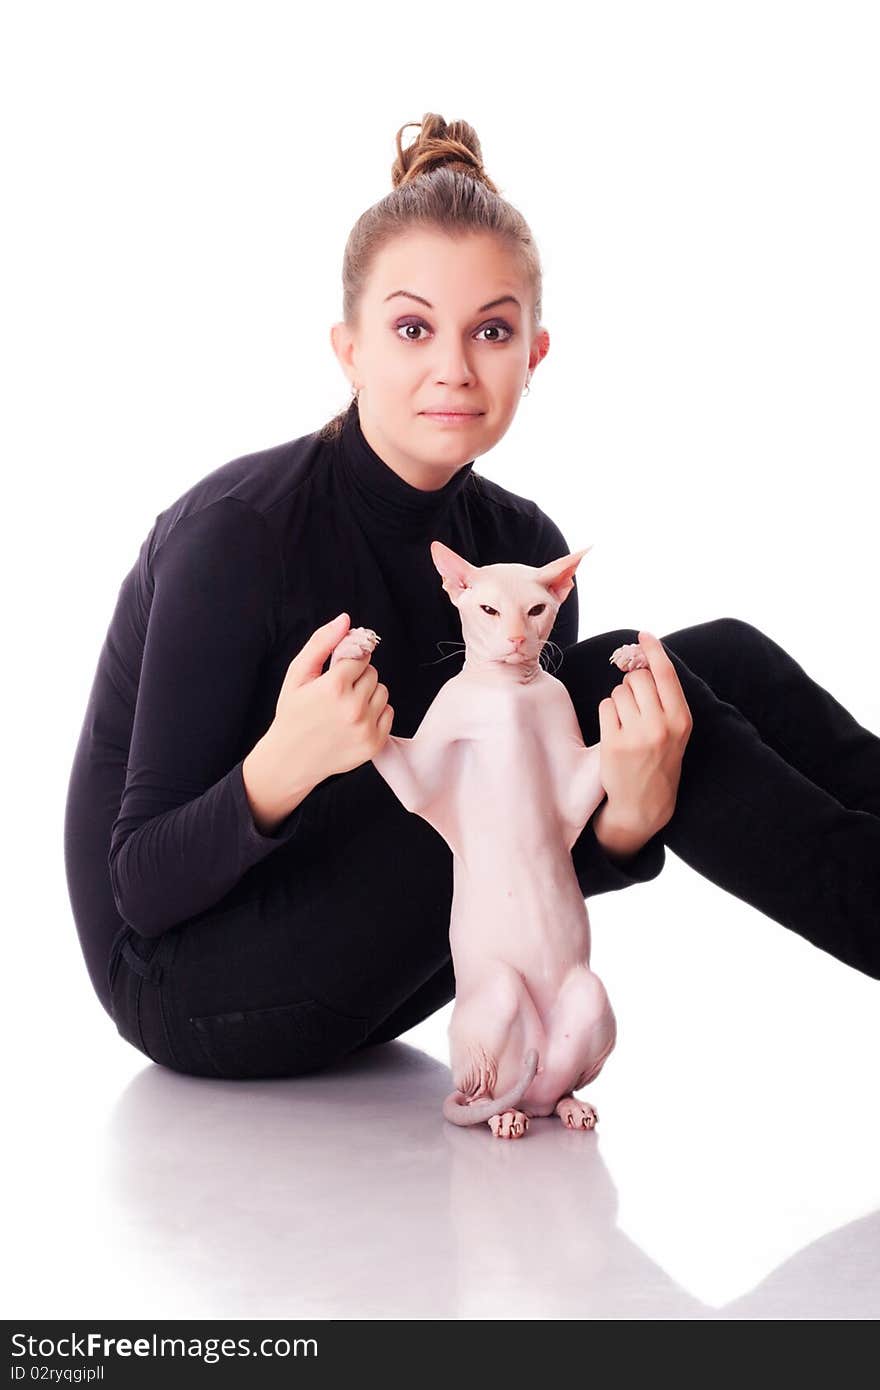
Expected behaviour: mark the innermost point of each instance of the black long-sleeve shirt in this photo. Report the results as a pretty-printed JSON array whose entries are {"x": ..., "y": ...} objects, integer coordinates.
[{"x": 229, "y": 584}]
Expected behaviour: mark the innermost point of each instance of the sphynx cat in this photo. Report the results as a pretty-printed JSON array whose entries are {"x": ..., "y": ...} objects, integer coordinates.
[{"x": 499, "y": 768}]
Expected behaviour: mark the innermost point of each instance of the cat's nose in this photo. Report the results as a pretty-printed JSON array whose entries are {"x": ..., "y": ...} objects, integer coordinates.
[{"x": 516, "y": 639}]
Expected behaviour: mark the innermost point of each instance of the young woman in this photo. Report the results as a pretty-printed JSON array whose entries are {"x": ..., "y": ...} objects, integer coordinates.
[{"x": 250, "y": 897}]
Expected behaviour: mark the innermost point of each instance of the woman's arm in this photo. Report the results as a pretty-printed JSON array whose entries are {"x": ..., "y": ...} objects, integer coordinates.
[
  {"x": 186, "y": 832},
  {"x": 604, "y": 858}
]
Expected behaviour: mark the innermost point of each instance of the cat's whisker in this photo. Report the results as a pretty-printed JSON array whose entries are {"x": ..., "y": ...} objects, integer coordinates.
[
  {"x": 556, "y": 648},
  {"x": 456, "y": 646}
]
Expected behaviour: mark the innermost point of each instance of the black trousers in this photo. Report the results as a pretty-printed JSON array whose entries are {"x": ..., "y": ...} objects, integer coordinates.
[{"x": 778, "y": 803}]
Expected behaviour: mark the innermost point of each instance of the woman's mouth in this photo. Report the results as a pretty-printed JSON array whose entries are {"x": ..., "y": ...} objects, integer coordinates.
[{"x": 452, "y": 417}]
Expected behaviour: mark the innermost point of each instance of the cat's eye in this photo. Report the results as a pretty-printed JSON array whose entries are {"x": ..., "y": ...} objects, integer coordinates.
[{"x": 533, "y": 612}]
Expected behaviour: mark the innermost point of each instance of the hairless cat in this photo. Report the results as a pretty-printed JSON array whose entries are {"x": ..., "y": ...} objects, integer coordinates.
[{"x": 499, "y": 768}]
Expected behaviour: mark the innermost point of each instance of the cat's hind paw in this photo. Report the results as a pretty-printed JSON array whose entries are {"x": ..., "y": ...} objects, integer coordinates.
[
  {"x": 576, "y": 1114},
  {"x": 510, "y": 1124},
  {"x": 629, "y": 657}
]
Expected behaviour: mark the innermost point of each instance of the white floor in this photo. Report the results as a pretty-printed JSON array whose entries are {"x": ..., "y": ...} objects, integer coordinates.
[{"x": 734, "y": 1172}]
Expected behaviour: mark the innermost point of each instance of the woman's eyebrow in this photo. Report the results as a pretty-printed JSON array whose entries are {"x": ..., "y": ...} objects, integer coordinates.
[{"x": 505, "y": 299}]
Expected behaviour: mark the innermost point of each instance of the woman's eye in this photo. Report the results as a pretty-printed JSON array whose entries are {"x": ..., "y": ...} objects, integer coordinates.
[
  {"x": 496, "y": 328},
  {"x": 403, "y": 331},
  {"x": 493, "y": 612},
  {"x": 406, "y": 327}
]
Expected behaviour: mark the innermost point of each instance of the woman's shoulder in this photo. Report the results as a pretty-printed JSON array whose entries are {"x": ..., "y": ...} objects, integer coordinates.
[
  {"x": 527, "y": 528},
  {"x": 493, "y": 496},
  {"x": 252, "y": 494}
]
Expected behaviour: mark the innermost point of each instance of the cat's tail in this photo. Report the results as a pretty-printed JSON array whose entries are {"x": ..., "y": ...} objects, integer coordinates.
[{"x": 458, "y": 1111}]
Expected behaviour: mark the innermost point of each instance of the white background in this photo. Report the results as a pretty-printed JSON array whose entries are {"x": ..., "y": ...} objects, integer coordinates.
[{"x": 179, "y": 182}]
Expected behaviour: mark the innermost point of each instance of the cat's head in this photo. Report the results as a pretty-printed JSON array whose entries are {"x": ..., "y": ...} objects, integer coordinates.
[{"x": 507, "y": 610}]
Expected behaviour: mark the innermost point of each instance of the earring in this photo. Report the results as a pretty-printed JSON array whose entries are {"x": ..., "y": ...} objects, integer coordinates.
[{"x": 528, "y": 383}]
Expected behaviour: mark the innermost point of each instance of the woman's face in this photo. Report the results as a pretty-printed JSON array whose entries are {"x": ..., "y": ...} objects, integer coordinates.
[{"x": 410, "y": 357}]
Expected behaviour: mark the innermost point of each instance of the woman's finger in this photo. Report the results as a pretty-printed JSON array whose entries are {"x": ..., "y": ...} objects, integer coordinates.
[
  {"x": 643, "y": 687},
  {"x": 625, "y": 702},
  {"x": 609, "y": 721},
  {"x": 669, "y": 691},
  {"x": 649, "y": 718}
]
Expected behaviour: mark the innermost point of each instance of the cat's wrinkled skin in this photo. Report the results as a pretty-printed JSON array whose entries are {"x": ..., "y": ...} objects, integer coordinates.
[{"x": 499, "y": 768}]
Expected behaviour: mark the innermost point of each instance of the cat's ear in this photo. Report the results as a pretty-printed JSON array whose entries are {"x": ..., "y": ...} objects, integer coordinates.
[
  {"x": 558, "y": 575},
  {"x": 456, "y": 572}
]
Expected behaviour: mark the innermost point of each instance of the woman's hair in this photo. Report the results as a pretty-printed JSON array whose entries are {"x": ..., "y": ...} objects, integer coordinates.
[{"x": 437, "y": 182}]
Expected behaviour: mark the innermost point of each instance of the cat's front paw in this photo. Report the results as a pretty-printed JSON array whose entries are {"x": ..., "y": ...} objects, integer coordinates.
[
  {"x": 629, "y": 657},
  {"x": 357, "y": 642}
]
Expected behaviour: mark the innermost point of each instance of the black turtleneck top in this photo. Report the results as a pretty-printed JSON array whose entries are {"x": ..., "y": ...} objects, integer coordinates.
[{"x": 230, "y": 583}]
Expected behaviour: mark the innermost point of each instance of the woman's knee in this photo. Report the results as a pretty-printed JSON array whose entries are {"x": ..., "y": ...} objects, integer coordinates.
[
  {"x": 719, "y": 633},
  {"x": 735, "y": 631}
]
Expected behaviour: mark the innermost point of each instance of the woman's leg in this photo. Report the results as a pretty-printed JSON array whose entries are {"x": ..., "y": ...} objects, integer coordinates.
[
  {"x": 749, "y": 821},
  {"x": 793, "y": 714},
  {"x": 427, "y": 999},
  {"x": 336, "y": 941}
]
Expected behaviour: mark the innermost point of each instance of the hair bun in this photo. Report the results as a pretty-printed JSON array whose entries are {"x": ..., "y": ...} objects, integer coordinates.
[{"x": 438, "y": 145}]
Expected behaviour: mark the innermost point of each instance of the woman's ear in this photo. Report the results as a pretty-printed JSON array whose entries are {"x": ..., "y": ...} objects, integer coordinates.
[{"x": 343, "y": 344}]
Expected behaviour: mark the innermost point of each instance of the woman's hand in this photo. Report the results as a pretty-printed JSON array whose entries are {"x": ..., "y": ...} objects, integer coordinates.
[
  {"x": 645, "y": 724},
  {"x": 324, "y": 724},
  {"x": 331, "y": 722}
]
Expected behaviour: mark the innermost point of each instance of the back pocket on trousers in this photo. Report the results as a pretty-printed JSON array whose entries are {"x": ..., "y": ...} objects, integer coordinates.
[{"x": 285, "y": 1040}]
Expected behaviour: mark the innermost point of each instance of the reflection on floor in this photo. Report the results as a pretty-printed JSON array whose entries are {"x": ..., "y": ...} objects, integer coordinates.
[
  {"x": 346, "y": 1196},
  {"x": 733, "y": 1174}
]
